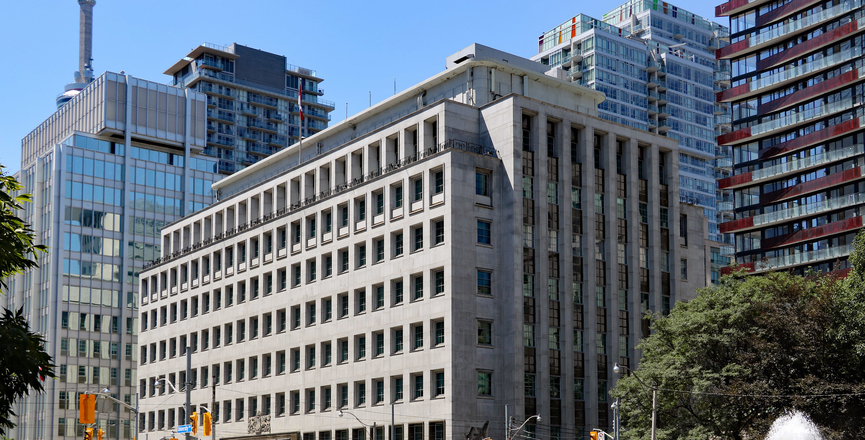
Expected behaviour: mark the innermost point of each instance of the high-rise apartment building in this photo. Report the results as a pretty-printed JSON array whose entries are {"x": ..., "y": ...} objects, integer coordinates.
[
  {"x": 482, "y": 239},
  {"x": 252, "y": 101},
  {"x": 656, "y": 65},
  {"x": 796, "y": 98},
  {"x": 107, "y": 171}
]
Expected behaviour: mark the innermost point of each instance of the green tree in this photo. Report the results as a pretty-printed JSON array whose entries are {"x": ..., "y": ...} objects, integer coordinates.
[
  {"x": 729, "y": 362},
  {"x": 24, "y": 364}
]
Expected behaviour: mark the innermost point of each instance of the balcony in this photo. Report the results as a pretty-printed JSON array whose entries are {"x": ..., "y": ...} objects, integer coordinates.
[
  {"x": 793, "y": 213},
  {"x": 811, "y": 45},
  {"x": 220, "y": 140},
  {"x": 811, "y": 186},
  {"x": 263, "y": 100},
  {"x": 218, "y": 90},
  {"x": 262, "y": 125},
  {"x": 787, "y": 76},
  {"x": 812, "y": 233},
  {"x": 749, "y": 134},
  {"x": 770, "y": 36},
  {"x": 802, "y": 258}
]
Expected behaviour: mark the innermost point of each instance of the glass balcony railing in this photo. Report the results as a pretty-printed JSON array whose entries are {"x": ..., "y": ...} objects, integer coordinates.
[
  {"x": 804, "y": 22},
  {"x": 810, "y": 209},
  {"x": 805, "y": 69},
  {"x": 811, "y": 161},
  {"x": 802, "y": 116},
  {"x": 805, "y": 257}
]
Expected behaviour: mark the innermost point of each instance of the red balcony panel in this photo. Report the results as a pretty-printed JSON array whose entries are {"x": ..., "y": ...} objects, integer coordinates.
[
  {"x": 812, "y": 233},
  {"x": 811, "y": 138},
  {"x": 735, "y": 180},
  {"x": 783, "y": 11},
  {"x": 729, "y": 51},
  {"x": 727, "y": 8},
  {"x": 811, "y": 186},
  {"x": 735, "y": 225},
  {"x": 803, "y": 48},
  {"x": 734, "y": 136},
  {"x": 732, "y": 92},
  {"x": 727, "y": 270},
  {"x": 810, "y": 92}
]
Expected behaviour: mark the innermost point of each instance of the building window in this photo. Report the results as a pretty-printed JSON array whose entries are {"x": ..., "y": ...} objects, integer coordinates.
[
  {"x": 438, "y": 181},
  {"x": 439, "y": 333},
  {"x": 484, "y": 232},
  {"x": 485, "y": 333},
  {"x": 417, "y": 287},
  {"x": 379, "y": 250},
  {"x": 397, "y": 244},
  {"x": 397, "y": 340},
  {"x": 482, "y": 183},
  {"x": 439, "y": 282},
  {"x": 418, "y": 189},
  {"x": 684, "y": 264},
  {"x": 485, "y": 383},
  {"x": 418, "y": 386},
  {"x": 439, "y": 227},
  {"x": 485, "y": 282},
  {"x": 417, "y": 341},
  {"x": 397, "y": 389},
  {"x": 397, "y": 292},
  {"x": 439, "y": 384},
  {"x": 397, "y": 196},
  {"x": 418, "y": 238}
]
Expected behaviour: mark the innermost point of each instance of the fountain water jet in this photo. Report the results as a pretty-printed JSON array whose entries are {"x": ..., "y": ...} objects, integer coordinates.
[{"x": 794, "y": 425}]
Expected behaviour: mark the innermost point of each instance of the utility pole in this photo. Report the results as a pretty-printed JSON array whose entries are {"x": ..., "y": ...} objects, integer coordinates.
[
  {"x": 188, "y": 383},
  {"x": 507, "y": 424},
  {"x": 212, "y": 408}
]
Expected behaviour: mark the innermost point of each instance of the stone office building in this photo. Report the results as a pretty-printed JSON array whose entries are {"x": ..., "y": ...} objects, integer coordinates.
[{"x": 481, "y": 239}]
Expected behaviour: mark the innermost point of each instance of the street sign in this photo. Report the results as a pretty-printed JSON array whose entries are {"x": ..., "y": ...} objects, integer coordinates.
[{"x": 183, "y": 429}]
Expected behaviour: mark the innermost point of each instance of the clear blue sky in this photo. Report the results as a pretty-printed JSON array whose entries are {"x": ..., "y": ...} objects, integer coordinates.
[{"x": 358, "y": 47}]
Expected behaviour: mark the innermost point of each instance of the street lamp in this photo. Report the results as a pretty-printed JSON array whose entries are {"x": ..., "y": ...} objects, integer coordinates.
[
  {"x": 617, "y": 369},
  {"x": 188, "y": 384},
  {"x": 517, "y": 431},
  {"x": 371, "y": 427},
  {"x": 106, "y": 394}
]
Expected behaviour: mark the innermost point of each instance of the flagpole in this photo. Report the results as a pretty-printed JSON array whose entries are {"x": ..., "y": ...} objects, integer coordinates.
[{"x": 300, "y": 109}]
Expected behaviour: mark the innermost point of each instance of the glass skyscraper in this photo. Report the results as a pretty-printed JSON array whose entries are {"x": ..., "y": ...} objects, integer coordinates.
[
  {"x": 655, "y": 63},
  {"x": 107, "y": 171}
]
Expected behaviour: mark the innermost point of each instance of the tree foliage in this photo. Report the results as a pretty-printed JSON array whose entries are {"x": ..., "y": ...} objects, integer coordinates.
[
  {"x": 24, "y": 364},
  {"x": 729, "y": 362}
]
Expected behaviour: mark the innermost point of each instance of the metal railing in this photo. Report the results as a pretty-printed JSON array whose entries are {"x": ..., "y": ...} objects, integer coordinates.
[
  {"x": 804, "y": 69},
  {"x": 804, "y": 257},
  {"x": 810, "y": 209},
  {"x": 451, "y": 144},
  {"x": 804, "y": 22},
  {"x": 799, "y": 117},
  {"x": 810, "y": 161}
]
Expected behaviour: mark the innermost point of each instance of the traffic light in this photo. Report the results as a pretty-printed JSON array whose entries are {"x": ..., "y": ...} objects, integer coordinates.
[
  {"x": 593, "y": 435},
  {"x": 100, "y": 433},
  {"x": 88, "y": 434},
  {"x": 87, "y": 410},
  {"x": 194, "y": 418},
  {"x": 207, "y": 423}
]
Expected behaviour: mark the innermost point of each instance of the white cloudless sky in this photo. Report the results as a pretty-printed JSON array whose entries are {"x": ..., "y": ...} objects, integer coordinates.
[{"x": 359, "y": 48}]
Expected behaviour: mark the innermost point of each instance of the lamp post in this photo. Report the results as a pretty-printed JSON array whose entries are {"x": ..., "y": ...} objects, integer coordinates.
[
  {"x": 617, "y": 369},
  {"x": 371, "y": 427},
  {"x": 188, "y": 384},
  {"x": 106, "y": 394},
  {"x": 520, "y": 428}
]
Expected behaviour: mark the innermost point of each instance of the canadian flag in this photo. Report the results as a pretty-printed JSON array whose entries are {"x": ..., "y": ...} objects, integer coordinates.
[{"x": 300, "y": 97}]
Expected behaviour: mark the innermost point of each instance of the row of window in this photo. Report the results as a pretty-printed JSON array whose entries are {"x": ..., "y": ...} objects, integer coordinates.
[
  {"x": 94, "y": 349},
  {"x": 324, "y": 354},
  {"x": 360, "y": 300},
  {"x": 92, "y": 375}
]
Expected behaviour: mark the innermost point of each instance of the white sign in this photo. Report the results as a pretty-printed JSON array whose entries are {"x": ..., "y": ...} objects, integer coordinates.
[{"x": 183, "y": 429}]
